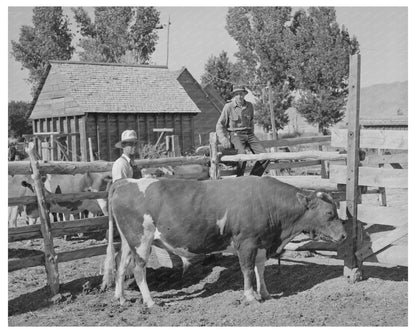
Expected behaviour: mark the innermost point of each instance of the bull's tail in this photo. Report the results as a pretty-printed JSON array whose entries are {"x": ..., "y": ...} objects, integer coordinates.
[{"x": 109, "y": 263}]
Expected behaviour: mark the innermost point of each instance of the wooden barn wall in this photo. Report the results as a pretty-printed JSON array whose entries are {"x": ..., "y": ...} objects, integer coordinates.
[
  {"x": 76, "y": 144},
  {"x": 205, "y": 121},
  {"x": 105, "y": 130}
]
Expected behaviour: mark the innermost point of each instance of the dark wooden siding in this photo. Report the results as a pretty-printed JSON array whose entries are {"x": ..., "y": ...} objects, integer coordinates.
[{"x": 105, "y": 130}]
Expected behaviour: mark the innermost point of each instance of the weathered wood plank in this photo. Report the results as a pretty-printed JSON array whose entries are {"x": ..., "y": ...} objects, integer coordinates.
[
  {"x": 158, "y": 257},
  {"x": 290, "y": 165},
  {"x": 50, "y": 256},
  {"x": 378, "y": 214},
  {"x": 72, "y": 168},
  {"x": 83, "y": 139},
  {"x": 375, "y": 160},
  {"x": 352, "y": 265},
  {"x": 59, "y": 228},
  {"x": 377, "y": 177},
  {"x": 310, "y": 245},
  {"x": 213, "y": 171},
  {"x": 301, "y": 155},
  {"x": 55, "y": 197},
  {"x": 371, "y": 138},
  {"x": 296, "y": 141},
  {"x": 309, "y": 182}
]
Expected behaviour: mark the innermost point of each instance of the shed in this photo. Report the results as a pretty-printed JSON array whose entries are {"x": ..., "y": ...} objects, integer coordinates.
[{"x": 98, "y": 101}]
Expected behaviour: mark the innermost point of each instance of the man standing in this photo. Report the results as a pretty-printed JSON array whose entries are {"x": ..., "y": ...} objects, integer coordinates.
[
  {"x": 236, "y": 126},
  {"x": 123, "y": 166}
]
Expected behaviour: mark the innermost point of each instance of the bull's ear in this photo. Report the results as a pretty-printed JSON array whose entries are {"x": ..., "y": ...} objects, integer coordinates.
[{"x": 303, "y": 199}]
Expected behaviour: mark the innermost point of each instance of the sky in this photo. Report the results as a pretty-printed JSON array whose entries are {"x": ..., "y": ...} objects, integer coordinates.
[{"x": 196, "y": 33}]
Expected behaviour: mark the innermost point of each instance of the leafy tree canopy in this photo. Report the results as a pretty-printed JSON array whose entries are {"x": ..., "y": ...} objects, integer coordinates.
[
  {"x": 118, "y": 34},
  {"x": 218, "y": 72},
  {"x": 48, "y": 39},
  {"x": 319, "y": 65},
  {"x": 306, "y": 52},
  {"x": 261, "y": 34}
]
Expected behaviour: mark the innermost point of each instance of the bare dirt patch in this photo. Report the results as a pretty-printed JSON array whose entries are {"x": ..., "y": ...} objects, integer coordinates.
[{"x": 306, "y": 292}]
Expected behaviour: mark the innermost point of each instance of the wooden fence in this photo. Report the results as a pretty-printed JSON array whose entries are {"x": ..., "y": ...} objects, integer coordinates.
[{"x": 360, "y": 246}]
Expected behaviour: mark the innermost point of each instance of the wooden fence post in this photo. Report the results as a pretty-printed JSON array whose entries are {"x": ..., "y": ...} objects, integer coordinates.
[
  {"x": 213, "y": 153},
  {"x": 352, "y": 265},
  {"x": 51, "y": 263}
]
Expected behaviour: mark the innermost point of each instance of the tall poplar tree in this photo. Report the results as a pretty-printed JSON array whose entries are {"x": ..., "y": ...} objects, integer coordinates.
[
  {"x": 118, "y": 34},
  {"x": 218, "y": 72},
  {"x": 48, "y": 39}
]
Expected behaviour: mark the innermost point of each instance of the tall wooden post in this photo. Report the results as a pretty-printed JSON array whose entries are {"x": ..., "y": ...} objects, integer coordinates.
[
  {"x": 272, "y": 111},
  {"x": 352, "y": 265},
  {"x": 213, "y": 153},
  {"x": 51, "y": 263}
]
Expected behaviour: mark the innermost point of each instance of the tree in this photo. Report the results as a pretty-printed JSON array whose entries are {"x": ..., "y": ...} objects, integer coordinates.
[
  {"x": 118, "y": 34},
  {"x": 218, "y": 72},
  {"x": 319, "y": 65},
  {"x": 262, "y": 56},
  {"x": 306, "y": 53},
  {"x": 18, "y": 118},
  {"x": 48, "y": 39},
  {"x": 281, "y": 102}
]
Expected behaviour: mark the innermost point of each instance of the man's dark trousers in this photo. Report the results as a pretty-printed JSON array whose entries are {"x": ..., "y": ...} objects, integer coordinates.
[{"x": 241, "y": 141}]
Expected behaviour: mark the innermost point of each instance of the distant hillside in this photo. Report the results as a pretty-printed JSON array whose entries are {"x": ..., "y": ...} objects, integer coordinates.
[{"x": 384, "y": 100}]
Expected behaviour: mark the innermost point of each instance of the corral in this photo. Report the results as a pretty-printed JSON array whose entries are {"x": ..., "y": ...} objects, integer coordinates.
[{"x": 306, "y": 291}]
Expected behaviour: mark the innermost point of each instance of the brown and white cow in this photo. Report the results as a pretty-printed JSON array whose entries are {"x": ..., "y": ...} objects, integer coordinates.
[{"x": 259, "y": 215}]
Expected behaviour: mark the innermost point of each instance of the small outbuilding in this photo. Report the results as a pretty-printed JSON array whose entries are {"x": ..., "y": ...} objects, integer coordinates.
[{"x": 86, "y": 107}]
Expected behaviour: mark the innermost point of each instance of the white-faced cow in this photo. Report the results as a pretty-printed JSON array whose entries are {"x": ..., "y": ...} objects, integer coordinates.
[{"x": 259, "y": 215}]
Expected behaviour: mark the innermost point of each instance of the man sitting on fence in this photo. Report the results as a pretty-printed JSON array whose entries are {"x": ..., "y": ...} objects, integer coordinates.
[
  {"x": 236, "y": 126},
  {"x": 123, "y": 167}
]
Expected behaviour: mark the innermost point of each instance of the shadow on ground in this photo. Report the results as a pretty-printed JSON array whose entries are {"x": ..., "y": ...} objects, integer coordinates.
[{"x": 286, "y": 280}]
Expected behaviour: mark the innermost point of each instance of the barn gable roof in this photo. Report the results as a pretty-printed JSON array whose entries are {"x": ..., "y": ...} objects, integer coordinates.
[{"x": 79, "y": 88}]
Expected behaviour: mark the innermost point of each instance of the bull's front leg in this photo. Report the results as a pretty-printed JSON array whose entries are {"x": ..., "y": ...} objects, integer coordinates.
[
  {"x": 259, "y": 270},
  {"x": 247, "y": 256}
]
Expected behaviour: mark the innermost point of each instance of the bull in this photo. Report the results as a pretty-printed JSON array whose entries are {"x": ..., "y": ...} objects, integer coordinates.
[{"x": 258, "y": 215}]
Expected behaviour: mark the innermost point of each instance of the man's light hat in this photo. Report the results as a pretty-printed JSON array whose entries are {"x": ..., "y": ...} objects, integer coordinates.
[{"x": 127, "y": 136}]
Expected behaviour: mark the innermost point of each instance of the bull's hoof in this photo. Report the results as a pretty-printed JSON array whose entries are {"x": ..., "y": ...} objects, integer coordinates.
[{"x": 266, "y": 297}]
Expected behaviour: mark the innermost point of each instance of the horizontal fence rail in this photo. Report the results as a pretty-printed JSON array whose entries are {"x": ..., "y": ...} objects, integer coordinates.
[
  {"x": 72, "y": 168},
  {"x": 326, "y": 139},
  {"x": 367, "y": 176},
  {"x": 58, "y": 197},
  {"x": 372, "y": 138},
  {"x": 59, "y": 229},
  {"x": 319, "y": 155}
]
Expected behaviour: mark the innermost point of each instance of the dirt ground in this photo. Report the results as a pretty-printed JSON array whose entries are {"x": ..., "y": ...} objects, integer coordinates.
[{"x": 306, "y": 291}]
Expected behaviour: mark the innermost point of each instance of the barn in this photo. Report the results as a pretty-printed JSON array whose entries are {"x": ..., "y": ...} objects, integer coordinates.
[{"x": 85, "y": 107}]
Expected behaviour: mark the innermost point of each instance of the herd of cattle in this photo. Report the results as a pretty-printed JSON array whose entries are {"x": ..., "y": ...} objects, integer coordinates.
[{"x": 22, "y": 185}]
